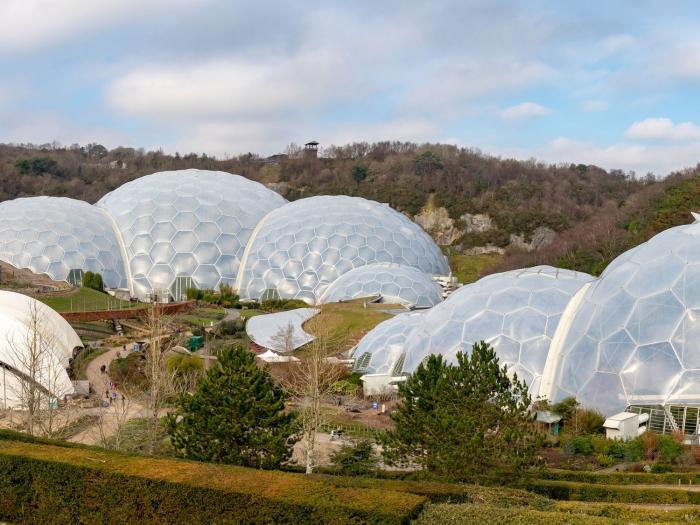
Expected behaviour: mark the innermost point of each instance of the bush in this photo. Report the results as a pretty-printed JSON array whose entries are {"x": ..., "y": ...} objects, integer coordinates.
[
  {"x": 49, "y": 484},
  {"x": 567, "y": 490},
  {"x": 583, "y": 445},
  {"x": 606, "y": 461},
  {"x": 94, "y": 281},
  {"x": 615, "y": 449},
  {"x": 355, "y": 459},
  {"x": 661, "y": 468},
  {"x": 669, "y": 449}
]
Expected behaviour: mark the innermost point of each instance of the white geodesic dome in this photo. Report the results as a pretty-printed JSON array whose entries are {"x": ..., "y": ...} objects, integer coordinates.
[
  {"x": 192, "y": 224},
  {"x": 392, "y": 283},
  {"x": 36, "y": 343},
  {"x": 302, "y": 247},
  {"x": 381, "y": 350},
  {"x": 632, "y": 336},
  {"x": 54, "y": 235},
  {"x": 516, "y": 312}
]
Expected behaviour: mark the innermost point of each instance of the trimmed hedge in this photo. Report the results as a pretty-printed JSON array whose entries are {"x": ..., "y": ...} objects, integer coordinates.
[
  {"x": 621, "y": 478},
  {"x": 51, "y": 484},
  {"x": 573, "y": 491},
  {"x": 563, "y": 514}
]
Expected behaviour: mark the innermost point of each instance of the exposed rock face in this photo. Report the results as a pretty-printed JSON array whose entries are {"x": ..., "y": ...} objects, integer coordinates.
[
  {"x": 477, "y": 223},
  {"x": 481, "y": 250},
  {"x": 439, "y": 225},
  {"x": 541, "y": 237},
  {"x": 437, "y": 222}
]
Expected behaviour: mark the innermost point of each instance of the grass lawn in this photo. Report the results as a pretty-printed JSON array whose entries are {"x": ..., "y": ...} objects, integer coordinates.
[
  {"x": 344, "y": 324},
  {"x": 468, "y": 268},
  {"x": 202, "y": 316},
  {"x": 87, "y": 300}
]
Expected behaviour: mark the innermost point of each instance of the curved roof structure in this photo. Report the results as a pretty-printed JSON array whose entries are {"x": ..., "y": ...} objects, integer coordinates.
[
  {"x": 38, "y": 344},
  {"x": 190, "y": 223},
  {"x": 517, "y": 312},
  {"x": 54, "y": 235},
  {"x": 381, "y": 350},
  {"x": 393, "y": 283},
  {"x": 632, "y": 336},
  {"x": 302, "y": 247}
]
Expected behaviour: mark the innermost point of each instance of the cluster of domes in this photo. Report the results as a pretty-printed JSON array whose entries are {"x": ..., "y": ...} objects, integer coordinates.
[
  {"x": 630, "y": 337},
  {"x": 173, "y": 230}
]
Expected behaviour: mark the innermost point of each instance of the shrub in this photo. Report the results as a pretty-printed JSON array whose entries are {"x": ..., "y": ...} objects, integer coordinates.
[
  {"x": 355, "y": 459},
  {"x": 606, "y": 461},
  {"x": 583, "y": 445},
  {"x": 567, "y": 490},
  {"x": 615, "y": 449},
  {"x": 669, "y": 449},
  {"x": 634, "y": 449},
  {"x": 660, "y": 468},
  {"x": 93, "y": 281},
  {"x": 49, "y": 484}
]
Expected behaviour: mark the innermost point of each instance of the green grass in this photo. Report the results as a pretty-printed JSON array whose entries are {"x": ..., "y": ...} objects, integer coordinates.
[
  {"x": 468, "y": 268},
  {"x": 344, "y": 324},
  {"x": 202, "y": 316},
  {"x": 87, "y": 300}
]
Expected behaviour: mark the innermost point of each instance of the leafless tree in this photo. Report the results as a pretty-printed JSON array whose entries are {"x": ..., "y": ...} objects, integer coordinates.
[
  {"x": 310, "y": 381},
  {"x": 164, "y": 382},
  {"x": 283, "y": 340},
  {"x": 36, "y": 372}
]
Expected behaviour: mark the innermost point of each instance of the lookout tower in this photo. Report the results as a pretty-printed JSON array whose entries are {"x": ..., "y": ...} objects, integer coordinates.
[{"x": 311, "y": 149}]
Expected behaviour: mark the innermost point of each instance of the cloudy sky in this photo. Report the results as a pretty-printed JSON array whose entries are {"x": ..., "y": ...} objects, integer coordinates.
[{"x": 611, "y": 83}]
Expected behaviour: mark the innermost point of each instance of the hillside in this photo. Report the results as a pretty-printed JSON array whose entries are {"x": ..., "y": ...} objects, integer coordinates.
[{"x": 575, "y": 216}]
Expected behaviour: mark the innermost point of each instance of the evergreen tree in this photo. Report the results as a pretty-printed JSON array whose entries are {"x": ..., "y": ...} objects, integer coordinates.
[
  {"x": 236, "y": 415},
  {"x": 463, "y": 422}
]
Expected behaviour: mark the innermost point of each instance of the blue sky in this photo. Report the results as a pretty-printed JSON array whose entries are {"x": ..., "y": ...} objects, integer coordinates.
[{"x": 610, "y": 83}]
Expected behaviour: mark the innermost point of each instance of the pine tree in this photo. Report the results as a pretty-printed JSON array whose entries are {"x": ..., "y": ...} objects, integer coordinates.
[
  {"x": 463, "y": 422},
  {"x": 236, "y": 415}
]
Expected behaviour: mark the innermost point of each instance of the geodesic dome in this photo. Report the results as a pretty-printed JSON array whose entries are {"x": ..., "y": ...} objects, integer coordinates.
[
  {"x": 193, "y": 224},
  {"x": 393, "y": 283},
  {"x": 381, "y": 350},
  {"x": 54, "y": 235},
  {"x": 302, "y": 247},
  {"x": 37, "y": 344},
  {"x": 516, "y": 312},
  {"x": 632, "y": 336}
]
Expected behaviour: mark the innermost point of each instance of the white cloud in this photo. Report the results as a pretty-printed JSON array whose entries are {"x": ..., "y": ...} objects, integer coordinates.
[
  {"x": 663, "y": 129},
  {"x": 660, "y": 159},
  {"x": 28, "y": 24},
  {"x": 223, "y": 88},
  {"x": 592, "y": 106},
  {"x": 525, "y": 110}
]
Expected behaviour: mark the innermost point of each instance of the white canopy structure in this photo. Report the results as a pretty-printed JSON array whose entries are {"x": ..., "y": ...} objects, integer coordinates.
[
  {"x": 281, "y": 331},
  {"x": 270, "y": 357},
  {"x": 35, "y": 349}
]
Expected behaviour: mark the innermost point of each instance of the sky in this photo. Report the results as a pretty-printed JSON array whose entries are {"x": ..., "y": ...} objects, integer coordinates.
[{"x": 612, "y": 83}]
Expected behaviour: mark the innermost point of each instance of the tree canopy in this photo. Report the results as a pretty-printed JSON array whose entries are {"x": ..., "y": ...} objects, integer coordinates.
[
  {"x": 236, "y": 415},
  {"x": 463, "y": 421}
]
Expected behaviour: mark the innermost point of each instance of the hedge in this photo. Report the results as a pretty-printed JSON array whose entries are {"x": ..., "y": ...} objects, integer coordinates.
[
  {"x": 574, "y": 491},
  {"x": 564, "y": 514},
  {"x": 51, "y": 484},
  {"x": 621, "y": 478}
]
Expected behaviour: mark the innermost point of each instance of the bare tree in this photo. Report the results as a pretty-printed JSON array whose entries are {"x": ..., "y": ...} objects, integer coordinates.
[
  {"x": 164, "y": 382},
  {"x": 311, "y": 380},
  {"x": 283, "y": 340},
  {"x": 114, "y": 415},
  {"x": 36, "y": 376}
]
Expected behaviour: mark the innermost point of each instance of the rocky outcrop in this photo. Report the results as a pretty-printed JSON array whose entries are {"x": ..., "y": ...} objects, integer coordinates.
[
  {"x": 439, "y": 225},
  {"x": 445, "y": 231},
  {"x": 476, "y": 223},
  {"x": 541, "y": 237}
]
